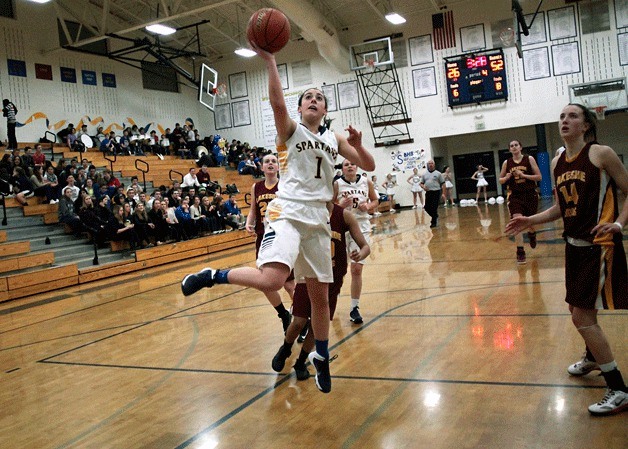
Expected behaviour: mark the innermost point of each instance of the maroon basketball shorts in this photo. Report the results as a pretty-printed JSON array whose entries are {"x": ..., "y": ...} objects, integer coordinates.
[
  {"x": 595, "y": 276},
  {"x": 301, "y": 306},
  {"x": 525, "y": 203}
]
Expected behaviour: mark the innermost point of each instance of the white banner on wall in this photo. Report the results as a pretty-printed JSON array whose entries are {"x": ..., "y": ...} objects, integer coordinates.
[{"x": 268, "y": 120}]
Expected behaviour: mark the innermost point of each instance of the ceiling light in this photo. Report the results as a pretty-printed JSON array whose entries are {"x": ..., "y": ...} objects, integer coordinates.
[
  {"x": 247, "y": 53},
  {"x": 395, "y": 18},
  {"x": 160, "y": 29},
  {"x": 40, "y": 1}
]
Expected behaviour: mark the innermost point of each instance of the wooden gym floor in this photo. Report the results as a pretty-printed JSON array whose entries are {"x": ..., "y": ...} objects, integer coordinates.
[{"x": 460, "y": 348}]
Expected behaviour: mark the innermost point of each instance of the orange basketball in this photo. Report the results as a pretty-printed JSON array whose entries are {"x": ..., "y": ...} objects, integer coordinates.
[{"x": 268, "y": 29}]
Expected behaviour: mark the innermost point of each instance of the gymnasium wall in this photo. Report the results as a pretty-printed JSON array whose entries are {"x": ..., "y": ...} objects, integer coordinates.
[
  {"x": 437, "y": 129},
  {"x": 50, "y": 104}
]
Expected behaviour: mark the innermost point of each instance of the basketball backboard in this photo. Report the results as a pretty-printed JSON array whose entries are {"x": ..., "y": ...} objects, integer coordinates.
[
  {"x": 207, "y": 87},
  {"x": 610, "y": 93},
  {"x": 368, "y": 55}
]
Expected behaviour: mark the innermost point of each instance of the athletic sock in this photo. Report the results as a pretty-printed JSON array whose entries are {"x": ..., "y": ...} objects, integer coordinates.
[
  {"x": 221, "y": 277},
  {"x": 613, "y": 377},
  {"x": 322, "y": 348},
  {"x": 590, "y": 355},
  {"x": 302, "y": 358},
  {"x": 287, "y": 346},
  {"x": 355, "y": 303},
  {"x": 281, "y": 310}
]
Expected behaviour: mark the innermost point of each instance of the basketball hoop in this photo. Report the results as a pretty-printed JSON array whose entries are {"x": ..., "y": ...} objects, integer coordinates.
[
  {"x": 369, "y": 65},
  {"x": 599, "y": 112}
]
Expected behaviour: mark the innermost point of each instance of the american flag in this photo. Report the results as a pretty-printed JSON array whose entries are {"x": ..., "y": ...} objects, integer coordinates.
[{"x": 444, "y": 31}]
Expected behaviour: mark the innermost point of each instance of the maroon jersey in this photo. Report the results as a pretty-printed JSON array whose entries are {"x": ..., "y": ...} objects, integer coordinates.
[
  {"x": 587, "y": 195},
  {"x": 520, "y": 185},
  {"x": 263, "y": 196}
]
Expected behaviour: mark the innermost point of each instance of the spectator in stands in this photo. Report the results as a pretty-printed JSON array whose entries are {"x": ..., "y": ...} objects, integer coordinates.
[
  {"x": 157, "y": 218},
  {"x": 10, "y": 112},
  {"x": 125, "y": 143},
  {"x": 6, "y": 167},
  {"x": 190, "y": 180},
  {"x": 156, "y": 197},
  {"x": 141, "y": 198},
  {"x": 109, "y": 145},
  {"x": 233, "y": 214},
  {"x": 91, "y": 189},
  {"x": 125, "y": 230},
  {"x": 214, "y": 223},
  {"x": 92, "y": 222},
  {"x": 164, "y": 142},
  {"x": 67, "y": 214},
  {"x": 53, "y": 182},
  {"x": 144, "y": 227},
  {"x": 80, "y": 177},
  {"x": 218, "y": 211},
  {"x": 22, "y": 186},
  {"x": 200, "y": 220},
  {"x": 75, "y": 190},
  {"x": 63, "y": 134},
  {"x": 182, "y": 212},
  {"x": 70, "y": 139},
  {"x": 174, "y": 227},
  {"x": 82, "y": 132},
  {"x": 27, "y": 157},
  {"x": 39, "y": 158},
  {"x": 42, "y": 186},
  {"x": 111, "y": 182},
  {"x": 100, "y": 134},
  {"x": 183, "y": 149}
]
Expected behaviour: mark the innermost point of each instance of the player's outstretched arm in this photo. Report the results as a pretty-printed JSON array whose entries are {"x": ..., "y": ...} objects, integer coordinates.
[{"x": 351, "y": 148}]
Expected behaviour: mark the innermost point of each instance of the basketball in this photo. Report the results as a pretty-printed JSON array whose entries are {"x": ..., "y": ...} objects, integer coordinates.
[{"x": 268, "y": 29}]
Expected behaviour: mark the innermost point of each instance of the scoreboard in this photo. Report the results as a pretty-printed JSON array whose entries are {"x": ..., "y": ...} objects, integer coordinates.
[{"x": 476, "y": 78}]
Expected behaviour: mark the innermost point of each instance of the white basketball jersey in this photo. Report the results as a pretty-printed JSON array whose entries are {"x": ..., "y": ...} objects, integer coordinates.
[
  {"x": 306, "y": 165},
  {"x": 358, "y": 191}
]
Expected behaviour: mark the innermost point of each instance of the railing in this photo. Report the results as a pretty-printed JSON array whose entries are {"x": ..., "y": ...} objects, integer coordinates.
[
  {"x": 139, "y": 162},
  {"x": 111, "y": 161},
  {"x": 52, "y": 143},
  {"x": 177, "y": 172}
]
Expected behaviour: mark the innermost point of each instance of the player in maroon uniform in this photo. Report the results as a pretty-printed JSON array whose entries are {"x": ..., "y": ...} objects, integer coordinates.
[
  {"x": 262, "y": 193},
  {"x": 587, "y": 176},
  {"x": 342, "y": 220},
  {"x": 520, "y": 173}
]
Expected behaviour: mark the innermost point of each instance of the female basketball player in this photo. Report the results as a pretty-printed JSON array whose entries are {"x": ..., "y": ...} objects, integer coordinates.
[
  {"x": 357, "y": 194},
  {"x": 262, "y": 193},
  {"x": 587, "y": 176},
  {"x": 297, "y": 234},
  {"x": 520, "y": 173}
]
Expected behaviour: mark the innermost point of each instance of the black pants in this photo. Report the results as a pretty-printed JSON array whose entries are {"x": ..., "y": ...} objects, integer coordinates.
[
  {"x": 432, "y": 198},
  {"x": 11, "y": 135}
]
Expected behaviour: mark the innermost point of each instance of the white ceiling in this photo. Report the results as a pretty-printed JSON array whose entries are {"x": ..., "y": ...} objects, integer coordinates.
[{"x": 226, "y": 28}]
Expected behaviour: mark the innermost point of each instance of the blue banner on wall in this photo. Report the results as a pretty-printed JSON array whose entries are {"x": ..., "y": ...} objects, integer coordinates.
[
  {"x": 68, "y": 75},
  {"x": 109, "y": 80},
  {"x": 16, "y": 67},
  {"x": 89, "y": 77}
]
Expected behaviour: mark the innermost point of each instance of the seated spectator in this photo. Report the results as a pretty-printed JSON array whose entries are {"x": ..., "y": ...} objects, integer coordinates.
[
  {"x": 182, "y": 212},
  {"x": 43, "y": 187},
  {"x": 63, "y": 134},
  {"x": 218, "y": 212},
  {"x": 157, "y": 218},
  {"x": 125, "y": 230},
  {"x": 75, "y": 191},
  {"x": 183, "y": 149},
  {"x": 214, "y": 222},
  {"x": 190, "y": 180},
  {"x": 96, "y": 225},
  {"x": 164, "y": 142},
  {"x": 111, "y": 182},
  {"x": 143, "y": 225},
  {"x": 175, "y": 228},
  {"x": 109, "y": 145},
  {"x": 22, "y": 187},
  {"x": 201, "y": 222},
  {"x": 233, "y": 215},
  {"x": 125, "y": 143},
  {"x": 100, "y": 134},
  {"x": 27, "y": 158},
  {"x": 155, "y": 197},
  {"x": 91, "y": 189},
  {"x": 39, "y": 158},
  {"x": 53, "y": 181},
  {"x": 67, "y": 214}
]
